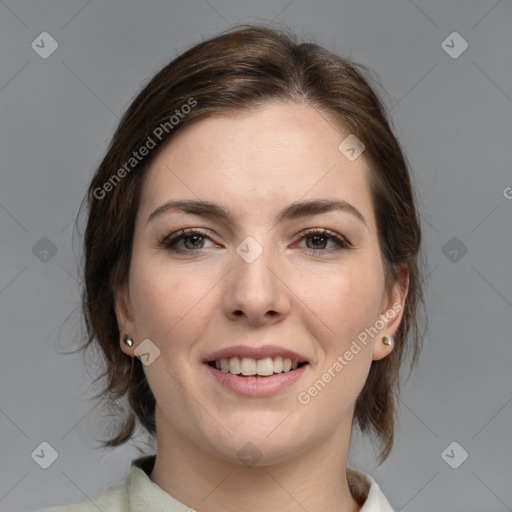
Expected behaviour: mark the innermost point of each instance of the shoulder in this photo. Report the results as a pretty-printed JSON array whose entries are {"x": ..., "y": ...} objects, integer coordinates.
[
  {"x": 366, "y": 492},
  {"x": 113, "y": 499},
  {"x": 132, "y": 494}
]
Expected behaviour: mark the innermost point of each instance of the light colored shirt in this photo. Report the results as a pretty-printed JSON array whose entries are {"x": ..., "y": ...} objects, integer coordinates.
[{"x": 139, "y": 494}]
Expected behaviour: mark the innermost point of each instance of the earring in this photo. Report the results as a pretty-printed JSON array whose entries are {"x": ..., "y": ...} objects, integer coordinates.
[
  {"x": 387, "y": 340},
  {"x": 128, "y": 341}
]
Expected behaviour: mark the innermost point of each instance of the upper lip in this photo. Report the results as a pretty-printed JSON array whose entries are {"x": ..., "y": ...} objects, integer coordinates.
[{"x": 255, "y": 353}]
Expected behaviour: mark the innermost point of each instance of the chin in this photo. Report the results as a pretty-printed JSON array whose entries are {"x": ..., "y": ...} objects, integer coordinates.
[{"x": 264, "y": 446}]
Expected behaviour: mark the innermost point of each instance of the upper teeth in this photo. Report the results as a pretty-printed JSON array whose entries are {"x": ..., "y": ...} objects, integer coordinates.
[{"x": 249, "y": 366}]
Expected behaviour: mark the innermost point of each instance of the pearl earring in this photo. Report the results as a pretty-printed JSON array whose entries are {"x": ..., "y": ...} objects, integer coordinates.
[
  {"x": 128, "y": 341},
  {"x": 387, "y": 340}
]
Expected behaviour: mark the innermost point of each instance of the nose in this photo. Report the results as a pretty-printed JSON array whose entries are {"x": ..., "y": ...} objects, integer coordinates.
[{"x": 256, "y": 291}]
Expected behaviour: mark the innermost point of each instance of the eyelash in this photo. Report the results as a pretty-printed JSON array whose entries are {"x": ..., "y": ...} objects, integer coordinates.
[{"x": 168, "y": 242}]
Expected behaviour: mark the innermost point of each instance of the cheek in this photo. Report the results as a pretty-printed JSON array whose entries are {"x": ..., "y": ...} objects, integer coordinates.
[
  {"x": 351, "y": 300},
  {"x": 165, "y": 301},
  {"x": 351, "y": 305}
]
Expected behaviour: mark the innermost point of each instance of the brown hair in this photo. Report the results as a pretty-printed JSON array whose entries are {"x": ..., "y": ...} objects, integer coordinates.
[{"x": 240, "y": 69}]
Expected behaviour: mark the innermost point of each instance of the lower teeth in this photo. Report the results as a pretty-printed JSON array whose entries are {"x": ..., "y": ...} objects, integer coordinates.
[
  {"x": 261, "y": 376},
  {"x": 256, "y": 375}
]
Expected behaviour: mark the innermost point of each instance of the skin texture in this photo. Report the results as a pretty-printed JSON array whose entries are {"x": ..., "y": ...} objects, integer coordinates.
[{"x": 190, "y": 304}]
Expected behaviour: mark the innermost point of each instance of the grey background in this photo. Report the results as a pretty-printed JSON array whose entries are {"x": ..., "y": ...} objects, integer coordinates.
[{"x": 453, "y": 116}]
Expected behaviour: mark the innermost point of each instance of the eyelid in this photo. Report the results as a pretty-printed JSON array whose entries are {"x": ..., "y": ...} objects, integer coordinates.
[
  {"x": 341, "y": 241},
  {"x": 325, "y": 232},
  {"x": 180, "y": 233}
]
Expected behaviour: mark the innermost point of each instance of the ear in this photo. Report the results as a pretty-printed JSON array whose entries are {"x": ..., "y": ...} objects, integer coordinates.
[
  {"x": 125, "y": 317},
  {"x": 392, "y": 309}
]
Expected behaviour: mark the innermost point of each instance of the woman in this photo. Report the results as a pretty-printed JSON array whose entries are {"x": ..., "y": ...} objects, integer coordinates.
[{"x": 251, "y": 277}]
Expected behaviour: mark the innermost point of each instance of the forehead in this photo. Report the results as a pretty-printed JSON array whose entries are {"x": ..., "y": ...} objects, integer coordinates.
[{"x": 256, "y": 162}]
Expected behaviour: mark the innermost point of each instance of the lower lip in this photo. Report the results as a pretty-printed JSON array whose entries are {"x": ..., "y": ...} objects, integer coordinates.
[{"x": 257, "y": 386}]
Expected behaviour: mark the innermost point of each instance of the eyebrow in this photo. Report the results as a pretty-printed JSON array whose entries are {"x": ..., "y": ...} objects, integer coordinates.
[{"x": 293, "y": 211}]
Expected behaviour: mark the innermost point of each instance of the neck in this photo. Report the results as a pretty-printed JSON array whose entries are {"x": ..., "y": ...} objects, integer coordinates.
[{"x": 315, "y": 480}]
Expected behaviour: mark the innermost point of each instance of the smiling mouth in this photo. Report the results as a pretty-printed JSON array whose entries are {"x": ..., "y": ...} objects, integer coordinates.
[{"x": 250, "y": 367}]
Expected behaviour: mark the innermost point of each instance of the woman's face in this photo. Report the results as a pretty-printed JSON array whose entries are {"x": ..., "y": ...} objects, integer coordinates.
[{"x": 260, "y": 281}]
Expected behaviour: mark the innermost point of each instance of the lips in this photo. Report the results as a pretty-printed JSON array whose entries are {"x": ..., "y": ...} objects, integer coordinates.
[
  {"x": 245, "y": 361},
  {"x": 254, "y": 352},
  {"x": 254, "y": 385}
]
